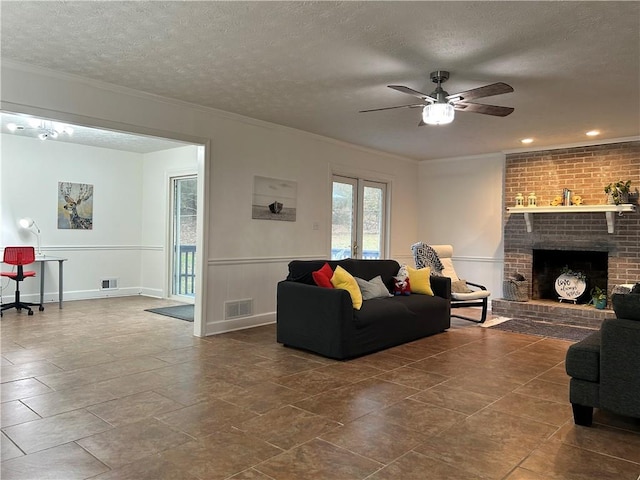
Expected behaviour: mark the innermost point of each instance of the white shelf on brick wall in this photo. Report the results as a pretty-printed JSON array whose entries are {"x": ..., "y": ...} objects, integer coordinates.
[{"x": 608, "y": 210}]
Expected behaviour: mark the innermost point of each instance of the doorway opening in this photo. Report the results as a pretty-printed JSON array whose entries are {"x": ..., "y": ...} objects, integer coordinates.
[{"x": 188, "y": 154}]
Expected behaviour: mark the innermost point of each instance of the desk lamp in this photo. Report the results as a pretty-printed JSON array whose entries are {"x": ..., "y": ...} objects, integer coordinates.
[{"x": 27, "y": 223}]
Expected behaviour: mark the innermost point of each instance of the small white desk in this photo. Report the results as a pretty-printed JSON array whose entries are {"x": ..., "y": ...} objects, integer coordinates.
[{"x": 42, "y": 260}]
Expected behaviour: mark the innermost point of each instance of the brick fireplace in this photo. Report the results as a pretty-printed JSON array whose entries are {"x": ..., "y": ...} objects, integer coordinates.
[{"x": 585, "y": 171}]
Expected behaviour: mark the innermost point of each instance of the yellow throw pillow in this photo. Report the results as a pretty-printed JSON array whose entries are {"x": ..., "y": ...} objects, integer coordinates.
[
  {"x": 419, "y": 280},
  {"x": 344, "y": 280}
]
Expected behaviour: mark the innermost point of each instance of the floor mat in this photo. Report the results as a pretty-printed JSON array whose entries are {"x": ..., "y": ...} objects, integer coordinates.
[
  {"x": 544, "y": 329},
  {"x": 183, "y": 312}
]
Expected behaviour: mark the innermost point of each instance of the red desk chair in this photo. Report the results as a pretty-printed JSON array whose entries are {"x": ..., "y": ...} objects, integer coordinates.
[{"x": 19, "y": 256}]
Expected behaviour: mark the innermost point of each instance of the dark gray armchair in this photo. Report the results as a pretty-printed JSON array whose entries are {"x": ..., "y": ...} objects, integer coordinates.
[{"x": 605, "y": 366}]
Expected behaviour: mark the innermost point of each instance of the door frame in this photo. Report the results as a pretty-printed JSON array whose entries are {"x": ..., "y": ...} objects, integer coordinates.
[{"x": 360, "y": 181}]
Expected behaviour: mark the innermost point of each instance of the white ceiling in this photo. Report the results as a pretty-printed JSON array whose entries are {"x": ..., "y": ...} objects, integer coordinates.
[{"x": 575, "y": 66}]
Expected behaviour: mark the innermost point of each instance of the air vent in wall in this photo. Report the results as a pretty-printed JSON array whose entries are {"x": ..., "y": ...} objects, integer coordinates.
[
  {"x": 238, "y": 308},
  {"x": 108, "y": 284}
]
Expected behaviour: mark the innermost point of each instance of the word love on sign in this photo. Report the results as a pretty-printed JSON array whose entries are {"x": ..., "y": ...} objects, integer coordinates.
[{"x": 570, "y": 287}]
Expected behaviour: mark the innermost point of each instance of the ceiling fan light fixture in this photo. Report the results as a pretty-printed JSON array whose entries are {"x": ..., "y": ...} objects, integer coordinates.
[{"x": 438, "y": 114}]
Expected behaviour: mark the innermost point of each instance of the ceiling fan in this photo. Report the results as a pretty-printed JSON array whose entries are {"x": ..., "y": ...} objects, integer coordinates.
[{"x": 438, "y": 108}]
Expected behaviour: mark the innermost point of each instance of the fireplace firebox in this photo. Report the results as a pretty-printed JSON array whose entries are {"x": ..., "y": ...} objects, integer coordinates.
[{"x": 549, "y": 264}]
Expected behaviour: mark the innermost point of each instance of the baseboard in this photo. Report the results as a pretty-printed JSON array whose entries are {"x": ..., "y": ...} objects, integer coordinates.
[
  {"x": 52, "y": 297},
  {"x": 152, "y": 292},
  {"x": 222, "y": 326}
]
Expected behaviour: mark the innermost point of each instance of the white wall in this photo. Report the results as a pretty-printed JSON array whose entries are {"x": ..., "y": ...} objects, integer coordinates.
[
  {"x": 31, "y": 170},
  {"x": 460, "y": 203},
  {"x": 245, "y": 258}
]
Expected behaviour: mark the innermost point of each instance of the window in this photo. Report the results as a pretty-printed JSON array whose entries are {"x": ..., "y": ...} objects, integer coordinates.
[{"x": 358, "y": 221}]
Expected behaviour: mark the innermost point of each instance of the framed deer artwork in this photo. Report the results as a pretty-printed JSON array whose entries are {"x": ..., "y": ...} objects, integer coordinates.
[{"x": 75, "y": 206}]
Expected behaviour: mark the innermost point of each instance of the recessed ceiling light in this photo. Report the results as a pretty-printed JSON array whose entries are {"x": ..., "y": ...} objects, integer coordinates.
[
  {"x": 527, "y": 140},
  {"x": 593, "y": 133}
]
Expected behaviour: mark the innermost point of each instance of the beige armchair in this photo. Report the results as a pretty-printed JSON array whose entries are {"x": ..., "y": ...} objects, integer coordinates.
[{"x": 463, "y": 293}]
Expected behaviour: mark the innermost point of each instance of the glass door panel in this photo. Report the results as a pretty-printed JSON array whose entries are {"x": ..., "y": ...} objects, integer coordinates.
[
  {"x": 184, "y": 221},
  {"x": 343, "y": 217},
  {"x": 372, "y": 222}
]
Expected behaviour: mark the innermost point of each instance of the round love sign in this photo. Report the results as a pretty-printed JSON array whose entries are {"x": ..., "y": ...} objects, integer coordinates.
[{"x": 570, "y": 287}]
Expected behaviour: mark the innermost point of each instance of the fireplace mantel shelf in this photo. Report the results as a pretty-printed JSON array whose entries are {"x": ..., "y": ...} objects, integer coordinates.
[{"x": 608, "y": 210}]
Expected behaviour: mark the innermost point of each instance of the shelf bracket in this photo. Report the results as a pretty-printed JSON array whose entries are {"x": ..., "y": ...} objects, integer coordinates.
[
  {"x": 528, "y": 219},
  {"x": 610, "y": 221}
]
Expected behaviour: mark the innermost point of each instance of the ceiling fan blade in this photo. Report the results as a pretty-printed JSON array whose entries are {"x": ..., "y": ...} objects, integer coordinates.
[
  {"x": 494, "y": 110},
  {"x": 411, "y": 91},
  {"x": 480, "y": 92},
  {"x": 391, "y": 108}
]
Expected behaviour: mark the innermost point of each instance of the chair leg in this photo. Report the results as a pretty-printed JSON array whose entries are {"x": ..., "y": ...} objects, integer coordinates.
[
  {"x": 483, "y": 315},
  {"x": 19, "y": 305},
  {"x": 484, "y": 311},
  {"x": 469, "y": 319},
  {"x": 582, "y": 415}
]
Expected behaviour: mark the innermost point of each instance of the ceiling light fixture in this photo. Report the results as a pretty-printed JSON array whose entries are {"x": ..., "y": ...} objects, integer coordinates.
[
  {"x": 438, "y": 114},
  {"x": 12, "y": 127},
  {"x": 44, "y": 129},
  {"x": 592, "y": 133},
  {"x": 527, "y": 140}
]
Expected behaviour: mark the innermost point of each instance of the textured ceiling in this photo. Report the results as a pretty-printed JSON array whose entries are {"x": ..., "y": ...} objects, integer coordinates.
[
  {"x": 575, "y": 66},
  {"x": 94, "y": 137}
]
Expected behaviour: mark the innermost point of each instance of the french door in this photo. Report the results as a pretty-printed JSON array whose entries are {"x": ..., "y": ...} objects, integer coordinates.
[
  {"x": 183, "y": 235},
  {"x": 358, "y": 222}
]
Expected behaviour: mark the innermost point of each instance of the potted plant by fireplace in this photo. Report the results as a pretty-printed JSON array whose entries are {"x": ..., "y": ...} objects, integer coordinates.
[
  {"x": 618, "y": 192},
  {"x": 598, "y": 297}
]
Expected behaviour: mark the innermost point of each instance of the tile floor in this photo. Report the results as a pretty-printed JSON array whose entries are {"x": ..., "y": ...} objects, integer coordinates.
[{"x": 104, "y": 390}]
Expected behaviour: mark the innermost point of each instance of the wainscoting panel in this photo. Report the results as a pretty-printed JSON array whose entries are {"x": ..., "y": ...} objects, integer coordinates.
[
  {"x": 243, "y": 279},
  {"x": 86, "y": 266}
]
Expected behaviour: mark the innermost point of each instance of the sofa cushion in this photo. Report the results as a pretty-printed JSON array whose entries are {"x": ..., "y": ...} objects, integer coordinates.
[
  {"x": 460, "y": 287},
  {"x": 322, "y": 277},
  {"x": 301, "y": 271},
  {"x": 373, "y": 289},
  {"x": 400, "y": 308},
  {"x": 626, "y": 306},
  {"x": 420, "y": 280},
  {"x": 368, "y": 269},
  {"x": 583, "y": 358},
  {"x": 380, "y": 309},
  {"x": 345, "y": 281}
]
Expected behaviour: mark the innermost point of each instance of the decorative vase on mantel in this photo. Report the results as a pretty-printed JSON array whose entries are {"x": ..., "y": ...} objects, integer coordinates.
[
  {"x": 623, "y": 197},
  {"x": 618, "y": 192}
]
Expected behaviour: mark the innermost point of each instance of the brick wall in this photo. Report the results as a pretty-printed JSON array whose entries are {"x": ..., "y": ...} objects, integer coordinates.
[{"x": 585, "y": 171}]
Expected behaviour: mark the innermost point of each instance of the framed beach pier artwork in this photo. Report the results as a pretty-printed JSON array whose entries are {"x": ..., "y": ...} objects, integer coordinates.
[{"x": 274, "y": 199}]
